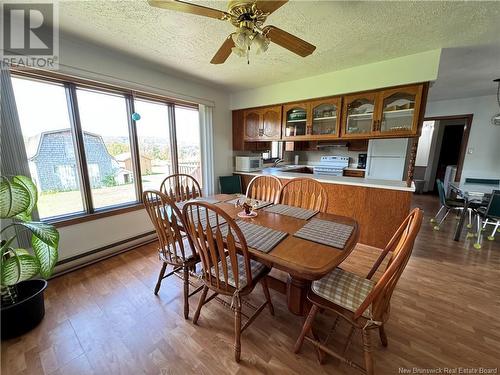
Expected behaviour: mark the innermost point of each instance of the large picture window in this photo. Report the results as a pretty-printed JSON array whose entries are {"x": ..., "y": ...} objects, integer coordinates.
[
  {"x": 84, "y": 150},
  {"x": 153, "y": 134},
  {"x": 108, "y": 154},
  {"x": 187, "y": 129},
  {"x": 49, "y": 141}
]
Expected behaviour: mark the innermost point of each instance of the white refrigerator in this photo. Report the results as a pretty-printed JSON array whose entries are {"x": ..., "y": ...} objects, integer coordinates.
[{"x": 386, "y": 158}]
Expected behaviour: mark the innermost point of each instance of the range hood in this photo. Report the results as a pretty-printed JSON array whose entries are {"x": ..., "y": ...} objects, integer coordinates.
[{"x": 337, "y": 144}]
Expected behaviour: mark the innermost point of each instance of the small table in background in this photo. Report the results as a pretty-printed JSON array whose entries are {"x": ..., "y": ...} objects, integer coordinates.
[{"x": 471, "y": 193}]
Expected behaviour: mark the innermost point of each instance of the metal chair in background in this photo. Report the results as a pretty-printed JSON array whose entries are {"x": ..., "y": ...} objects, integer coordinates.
[
  {"x": 447, "y": 204},
  {"x": 489, "y": 215}
]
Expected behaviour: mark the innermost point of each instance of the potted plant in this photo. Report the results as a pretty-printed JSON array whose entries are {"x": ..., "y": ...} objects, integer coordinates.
[{"x": 22, "y": 297}]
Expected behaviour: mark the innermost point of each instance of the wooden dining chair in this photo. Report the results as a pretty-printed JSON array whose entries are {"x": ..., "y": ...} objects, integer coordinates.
[
  {"x": 181, "y": 187},
  {"x": 265, "y": 188},
  {"x": 174, "y": 249},
  {"x": 227, "y": 267},
  {"x": 305, "y": 193},
  {"x": 362, "y": 302}
]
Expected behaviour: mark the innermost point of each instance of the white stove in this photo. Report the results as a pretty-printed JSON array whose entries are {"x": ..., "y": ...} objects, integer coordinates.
[{"x": 332, "y": 165}]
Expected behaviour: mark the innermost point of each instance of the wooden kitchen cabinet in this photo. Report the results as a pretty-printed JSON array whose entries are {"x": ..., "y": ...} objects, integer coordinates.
[
  {"x": 359, "y": 115},
  {"x": 383, "y": 114},
  {"x": 325, "y": 118},
  {"x": 395, "y": 112},
  {"x": 353, "y": 173},
  {"x": 296, "y": 121},
  {"x": 262, "y": 124},
  {"x": 399, "y": 111}
]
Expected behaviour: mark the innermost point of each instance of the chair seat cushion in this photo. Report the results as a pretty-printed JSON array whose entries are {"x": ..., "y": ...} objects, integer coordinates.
[
  {"x": 344, "y": 289},
  {"x": 256, "y": 269},
  {"x": 188, "y": 252}
]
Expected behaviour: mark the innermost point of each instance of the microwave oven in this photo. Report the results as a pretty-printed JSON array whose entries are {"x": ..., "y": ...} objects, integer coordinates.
[{"x": 248, "y": 163}]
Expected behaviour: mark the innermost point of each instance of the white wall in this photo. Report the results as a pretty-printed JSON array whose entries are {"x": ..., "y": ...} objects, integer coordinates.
[
  {"x": 483, "y": 156},
  {"x": 90, "y": 61}
]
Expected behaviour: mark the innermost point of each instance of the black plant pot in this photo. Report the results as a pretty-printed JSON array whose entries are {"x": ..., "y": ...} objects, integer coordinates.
[{"x": 27, "y": 313}]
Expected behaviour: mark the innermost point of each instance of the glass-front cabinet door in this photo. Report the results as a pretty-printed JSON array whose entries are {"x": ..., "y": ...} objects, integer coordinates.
[
  {"x": 400, "y": 110},
  {"x": 295, "y": 120},
  {"x": 359, "y": 114},
  {"x": 325, "y": 119}
]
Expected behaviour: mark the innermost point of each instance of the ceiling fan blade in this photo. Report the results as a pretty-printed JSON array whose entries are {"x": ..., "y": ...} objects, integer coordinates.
[
  {"x": 224, "y": 51},
  {"x": 269, "y": 6},
  {"x": 182, "y": 6},
  {"x": 288, "y": 41}
]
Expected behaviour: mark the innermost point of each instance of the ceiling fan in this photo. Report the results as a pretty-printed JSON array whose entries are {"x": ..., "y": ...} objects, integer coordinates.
[{"x": 248, "y": 17}]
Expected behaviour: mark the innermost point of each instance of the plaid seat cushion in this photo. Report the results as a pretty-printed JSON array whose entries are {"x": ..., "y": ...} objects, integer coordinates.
[
  {"x": 344, "y": 289},
  {"x": 256, "y": 269},
  {"x": 188, "y": 252}
]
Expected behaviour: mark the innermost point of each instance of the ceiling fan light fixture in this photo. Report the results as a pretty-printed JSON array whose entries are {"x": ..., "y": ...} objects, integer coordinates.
[
  {"x": 262, "y": 43},
  {"x": 240, "y": 52},
  {"x": 242, "y": 39}
]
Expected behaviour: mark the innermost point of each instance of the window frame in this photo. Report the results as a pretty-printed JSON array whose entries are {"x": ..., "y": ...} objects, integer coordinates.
[{"x": 71, "y": 84}]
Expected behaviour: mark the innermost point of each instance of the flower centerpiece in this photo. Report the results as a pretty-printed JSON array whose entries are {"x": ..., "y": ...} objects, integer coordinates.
[{"x": 249, "y": 206}]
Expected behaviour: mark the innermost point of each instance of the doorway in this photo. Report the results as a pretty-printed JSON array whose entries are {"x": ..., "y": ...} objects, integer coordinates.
[{"x": 443, "y": 143}]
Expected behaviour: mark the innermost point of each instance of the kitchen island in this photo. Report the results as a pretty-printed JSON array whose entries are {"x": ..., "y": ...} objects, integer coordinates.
[{"x": 379, "y": 206}]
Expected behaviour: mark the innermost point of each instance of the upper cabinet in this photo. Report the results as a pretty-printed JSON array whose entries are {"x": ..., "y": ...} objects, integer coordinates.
[
  {"x": 382, "y": 114},
  {"x": 400, "y": 110},
  {"x": 325, "y": 118},
  {"x": 262, "y": 124},
  {"x": 271, "y": 123},
  {"x": 312, "y": 120},
  {"x": 385, "y": 113},
  {"x": 296, "y": 121},
  {"x": 359, "y": 119}
]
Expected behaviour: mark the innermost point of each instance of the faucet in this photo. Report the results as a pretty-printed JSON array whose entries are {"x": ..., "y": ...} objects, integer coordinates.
[{"x": 277, "y": 161}]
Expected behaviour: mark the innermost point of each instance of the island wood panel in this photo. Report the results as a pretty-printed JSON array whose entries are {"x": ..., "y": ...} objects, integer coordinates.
[{"x": 379, "y": 212}]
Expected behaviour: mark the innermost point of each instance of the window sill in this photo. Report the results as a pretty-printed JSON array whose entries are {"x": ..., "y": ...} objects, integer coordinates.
[{"x": 82, "y": 218}]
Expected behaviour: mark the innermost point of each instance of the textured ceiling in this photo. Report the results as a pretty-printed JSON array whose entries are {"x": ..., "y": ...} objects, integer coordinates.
[
  {"x": 346, "y": 34},
  {"x": 467, "y": 72}
]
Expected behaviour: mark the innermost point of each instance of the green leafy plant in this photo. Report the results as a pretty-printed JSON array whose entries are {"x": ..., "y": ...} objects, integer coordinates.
[{"x": 18, "y": 198}]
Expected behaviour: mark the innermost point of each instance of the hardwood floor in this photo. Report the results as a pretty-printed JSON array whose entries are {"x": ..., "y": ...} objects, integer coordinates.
[{"x": 105, "y": 319}]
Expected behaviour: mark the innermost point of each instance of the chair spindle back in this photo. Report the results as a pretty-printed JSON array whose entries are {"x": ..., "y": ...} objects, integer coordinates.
[
  {"x": 181, "y": 187},
  {"x": 218, "y": 240},
  {"x": 168, "y": 221},
  {"x": 265, "y": 188},
  {"x": 399, "y": 247},
  {"x": 304, "y": 193}
]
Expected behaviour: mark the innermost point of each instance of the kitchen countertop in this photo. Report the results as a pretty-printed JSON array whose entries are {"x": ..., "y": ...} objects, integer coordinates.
[{"x": 282, "y": 172}]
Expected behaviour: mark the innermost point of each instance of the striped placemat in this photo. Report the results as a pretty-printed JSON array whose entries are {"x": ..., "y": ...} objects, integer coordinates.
[
  {"x": 259, "y": 204},
  {"x": 296, "y": 212},
  {"x": 259, "y": 237},
  {"x": 325, "y": 232},
  {"x": 203, "y": 218},
  {"x": 198, "y": 199}
]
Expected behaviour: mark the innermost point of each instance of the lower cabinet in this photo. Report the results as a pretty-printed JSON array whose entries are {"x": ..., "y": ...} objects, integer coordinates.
[{"x": 353, "y": 173}]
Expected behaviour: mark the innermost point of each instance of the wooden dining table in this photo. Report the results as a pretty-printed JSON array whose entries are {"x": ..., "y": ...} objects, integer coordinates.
[{"x": 304, "y": 261}]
